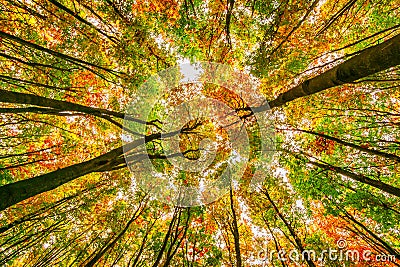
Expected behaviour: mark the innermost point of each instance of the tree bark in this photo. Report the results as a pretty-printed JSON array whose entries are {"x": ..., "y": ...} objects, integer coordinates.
[
  {"x": 30, "y": 99},
  {"x": 345, "y": 143},
  {"x": 372, "y": 60},
  {"x": 13, "y": 193},
  {"x": 354, "y": 176},
  {"x": 36, "y": 215},
  {"x": 175, "y": 218},
  {"x": 60, "y": 105},
  {"x": 360, "y": 178},
  {"x": 382, "y": 242},
  {"x": 79, "y": 18},
  {"x": 55, "y": 53},
  {"x": 292, "y": 231},
  {"x": 235, "y": 231},
  {"x": 108, "y": 247}
]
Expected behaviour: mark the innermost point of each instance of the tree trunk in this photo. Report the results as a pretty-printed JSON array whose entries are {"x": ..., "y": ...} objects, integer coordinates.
[
  {"x": 345, "y": 143},
  {"x": 360, "y": 178},
  {"x": 59, "y": 105},
  {"x": 382, "y": 242},
  {"x": 71, "y": 59},
  {"x": 79, "y": 18},
  {"x": 292, "y": 231},
  {"x": 13, "y": 193},
  {"x": 235, "y": 231},
  {"x": 175, "y": 219},
  {"x": 354, "y": 176},
  {"x": 108, "y": 247},
  {"x": 372, "y": 60}
]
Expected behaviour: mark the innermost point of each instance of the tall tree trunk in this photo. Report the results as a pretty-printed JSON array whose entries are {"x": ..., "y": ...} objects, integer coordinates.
[
  {"x": 235, "y": 231},
  {"x": 348, "y": 144},
  {"x": 292, "y": 231},
  {"x": 79, "y": 18},
  {"x": 276, "y": 241},
  {"x": 71, "y": 59},
  {"x": 381, "y": 242},
  {"x": 13, "y": 193},
  {"x": 372, "y": 60},
  {"x": 172, "y": 251},
  {"x": 104, "y": 250},
  {"x": 175, "y": 219},
  {"x": 37, "y": 214},
  {"x": 354, "y": 176},
  {"x": 360, "y": 178},
  {"x": 33, "y": 64},
  {"x": 142, "y": 246},
  {"x": 58, "y": 105}
]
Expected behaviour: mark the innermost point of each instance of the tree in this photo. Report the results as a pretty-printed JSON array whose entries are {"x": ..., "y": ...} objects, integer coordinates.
[{"x": 70, "y": 70}]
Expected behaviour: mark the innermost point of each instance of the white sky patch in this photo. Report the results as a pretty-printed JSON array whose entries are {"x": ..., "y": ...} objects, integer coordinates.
[
  {"x": 205, "y": 8},
  {"x": 190, "y": 72},
  {"x": 257, "y": 231},
  {"x": 95, "y": 22},
  {"x": 244, "y": 211},
  {"x": 183, "y": 61},
  {"x": 345, "y": 178},
  {"x": 260, "y": 232},
  {"x": 305, "y": 122},
  {"x": 243, "y": 9},
  {"x": 281, "y": 172},
  {"x": 268, "y": 20},
  {"x": 133, "y": 187},
  {"x": 396, "y": 231},
  {"x": 389, "y": 137},
  {"x": 219, "y": 238},
  {"x": 51, "y": 241},
  {"x": 201, "y": 185},
  {"x": 162, "y": 43},
  {"x": 120, "y": 195},
  {"x": 314, "y": 15},
  {"x": 159, "y": 40},
  {"x": 70, "y": 119},
  {"x": 299, "y": 204}
]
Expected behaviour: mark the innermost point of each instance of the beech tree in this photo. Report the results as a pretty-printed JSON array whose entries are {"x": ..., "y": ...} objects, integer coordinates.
[{"x": 70, "y": 188}]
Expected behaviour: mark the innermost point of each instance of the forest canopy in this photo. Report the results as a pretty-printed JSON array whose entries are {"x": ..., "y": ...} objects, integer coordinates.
[{"x": 287, "y": 149}]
